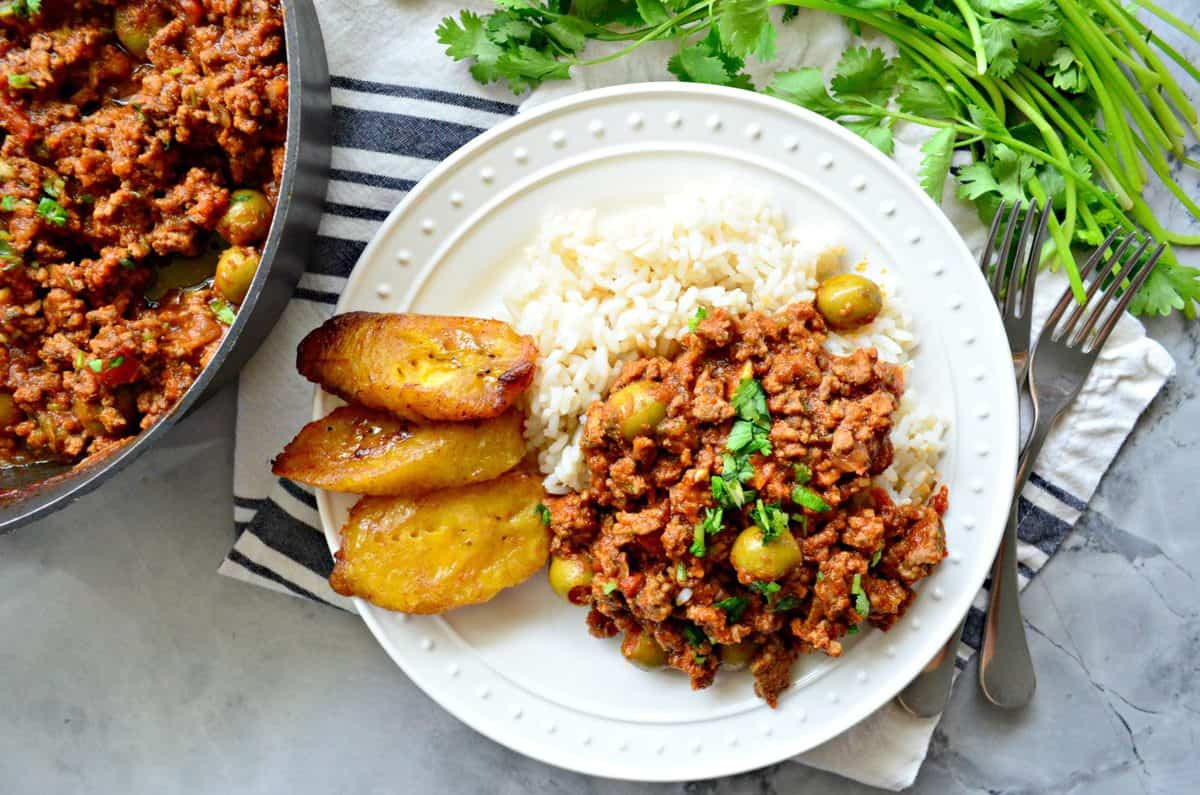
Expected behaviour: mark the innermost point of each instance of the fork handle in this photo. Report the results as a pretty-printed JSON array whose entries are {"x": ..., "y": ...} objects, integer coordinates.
[{"x": 1006, "y": 674}]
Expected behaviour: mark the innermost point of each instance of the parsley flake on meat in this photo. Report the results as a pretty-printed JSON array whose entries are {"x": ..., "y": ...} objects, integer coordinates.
[
  {"x": 750, "y": 402},
  {"x": 52, "y": 211},
  {"x": 222, "y": 310},
  {"x": 770, "y": 520},
  {"x": 20, "y": 81},
  {"x": 543, "y": 513},
  {"x": 875, "y": 558},
  {"x": 608, "y": 587},
  {"x": 734, "y": 607},
  {"x": 701, "y": 314},
  {"x": 803, "y": 495},
  {"x": 710, "y": 525},
  {"x": 862, "y": 604}
]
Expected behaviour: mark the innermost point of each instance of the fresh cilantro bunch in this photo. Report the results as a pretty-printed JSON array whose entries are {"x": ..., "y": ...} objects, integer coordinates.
[{"x": 1063, "y": 101}]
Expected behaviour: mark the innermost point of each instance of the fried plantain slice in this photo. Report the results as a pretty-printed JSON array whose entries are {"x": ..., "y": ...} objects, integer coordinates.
[
  {"x": 420, "y": 366},
  {"x": 366, "y": 451},
  {"x": 447, "y": 549}
]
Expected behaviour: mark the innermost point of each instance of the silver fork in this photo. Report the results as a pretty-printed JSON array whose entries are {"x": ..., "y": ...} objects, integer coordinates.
[
  {"x": 1061, "y": 361},
  {"x": 1012, "y": 288}
]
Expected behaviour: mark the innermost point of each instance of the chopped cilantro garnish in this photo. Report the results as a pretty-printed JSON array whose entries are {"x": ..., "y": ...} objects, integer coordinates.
[
  {"x": 747, "y": 437},
  {"x": 175, "y": 70},
  {"x": 862, "y": 605},
  {"x": 733, "y": 606},
  {"x": 820, "y": 576},
  {"x": 708, "y": 526},
  {"x": 765, "y": 588},
  {"x": 803, "y": 495},
  {"x": 20, "y": 81},
  {"x": 701, "y": 314},
  {"x": 770, "y": 520},
  {"x": 52, "y": 211},
  {"x": 750, "y": 402},
  {"x": 852, "y": 629},
  {"x": 115, "y": 363},
  {"x": 543, "y": 513},
  {"x": 788, "y": 602},
  {"x": 727, "y": 487},
  {"x": 126, "y": 262},
  {"x": 8, "y": 203},
  {"x": 680, "y": 571},
  {"x": 875, "y": 558},
  {"x": 52, "y": 186},
  {"x": 803, "y": 474},
  {"x": 95, "y": 365},
  {"x": 609, "y": 587},
  {"x": 78, "y": 360},
  {"x": 694, "y": 636},
  {"x": 223, "y": 310}
]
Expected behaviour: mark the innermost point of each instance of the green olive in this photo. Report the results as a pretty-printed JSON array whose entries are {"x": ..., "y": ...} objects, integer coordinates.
[
  {"x": 568, "y": 574},
  {"x": 235, "y": 271},
  {"x": 9, "y": 413},
  {"x": 641, "y": 649},
  {"x": 848, "y": 301},
  {"x": 636, "y": 408},
  {"x": 136, "y": 23},
  {"x": 248, "y": 218},
  {"x": 88, "y": 415},
  {"x": 756, "y": 559},
  {"x": 737, "y": 655}
]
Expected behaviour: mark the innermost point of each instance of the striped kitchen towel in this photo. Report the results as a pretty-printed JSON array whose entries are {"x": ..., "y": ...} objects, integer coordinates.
[{"x": 400, "y": 106}]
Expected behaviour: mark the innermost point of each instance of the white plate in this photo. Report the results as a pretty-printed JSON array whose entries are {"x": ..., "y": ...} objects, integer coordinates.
[{"x": 522, "y": 669}]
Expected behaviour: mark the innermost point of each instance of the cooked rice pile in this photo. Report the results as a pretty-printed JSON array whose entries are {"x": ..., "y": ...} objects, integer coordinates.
[{"x": 602, "y": 289}]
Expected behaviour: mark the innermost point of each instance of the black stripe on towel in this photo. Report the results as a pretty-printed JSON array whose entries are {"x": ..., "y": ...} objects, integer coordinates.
[
  {"x": 374, "y": 180},
  {"x": 289, "y": 536},
  {"x": 397, "y": 134},
  {"x": 263, "y": 571},
  {"x": 1059, "y": 493},
  {"x": 1040, "y": 527},
  {"x": 973, "y": 630},
  {"x": 431, "y": 94},
  {"x": 317, "y": 296},
  {"x": 352, "y": 211},
  {"x": 298, "y": 492},
  {"x": 334, "y": 256}
]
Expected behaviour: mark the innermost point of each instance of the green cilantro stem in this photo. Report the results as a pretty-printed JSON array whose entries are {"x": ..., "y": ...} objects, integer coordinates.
[{"x": 972, "y": 21}]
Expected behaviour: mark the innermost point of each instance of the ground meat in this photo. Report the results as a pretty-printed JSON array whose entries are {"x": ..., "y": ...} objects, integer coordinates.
[
  {"x": 641, "y": 522},
  {"x": 114, "y": 164}
]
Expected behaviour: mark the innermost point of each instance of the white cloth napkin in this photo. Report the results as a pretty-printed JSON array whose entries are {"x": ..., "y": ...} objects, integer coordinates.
[{"x": 400, "y": 106}]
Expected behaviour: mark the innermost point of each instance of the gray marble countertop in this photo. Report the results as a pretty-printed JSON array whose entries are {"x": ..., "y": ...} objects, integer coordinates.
[{"x": 128, "y": 665}]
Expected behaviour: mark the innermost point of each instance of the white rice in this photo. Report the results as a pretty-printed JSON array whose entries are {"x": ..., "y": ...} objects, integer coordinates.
[{"x": 602, "y": 289}]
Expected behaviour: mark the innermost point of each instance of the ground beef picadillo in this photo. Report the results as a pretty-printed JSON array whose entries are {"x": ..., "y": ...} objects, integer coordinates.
[
  {"x": 829, "y": 426},
  {"x": 118, "y": 159}
]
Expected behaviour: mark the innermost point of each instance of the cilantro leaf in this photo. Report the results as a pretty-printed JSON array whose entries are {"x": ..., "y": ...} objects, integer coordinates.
[
  {"x": 568, "y": 32},
  {"x": 734, "y": 607},
  {"x": 935, "y": 166},
  {"x": 976, "y": 180},
  {"x": 653, "y": 11},
  {"x": 694, "y": 64},
  {"x": 864, "y": 74},
  {"x": 806, "y": 88},
  {"x": 923, "y": 97},
  {"x": 862, "y": 605},
  {"x": 543, "y": 513},
  {"x": 770, "y": 520},
  {"x": 803, "y": 495},
  {"x": 52, "y": 211},
  {"x": 876, "y": 133},
  {"x": 803, "y": 474},
  {"x": 708, "y": 526},
  {"x": 701, "y": 314},
  {"x": 750, "y": 401},
  {"x": 467, "y": 38},
  {"x": 745, "y": 28}
]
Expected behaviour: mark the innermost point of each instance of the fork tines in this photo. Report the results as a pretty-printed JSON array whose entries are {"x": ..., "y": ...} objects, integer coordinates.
[
  {"x": 1013, "y": 270},
  {"x": 1110, "y": 273}
]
